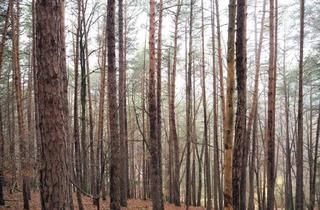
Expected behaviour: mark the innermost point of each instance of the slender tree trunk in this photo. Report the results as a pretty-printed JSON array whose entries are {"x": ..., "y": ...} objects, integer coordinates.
[
  {"x": 52, "y": 103},
  {"x": 113, "y": 111},
  {"x": 288, "y": 184},
  {"x": 254, "y": 106},
  {"x": 188, "y": 110},
  {"x": 91, "y": 128},
  {"x": 26, "y": 168},
  {"x": 229, "y": 110},
  {"x": 271, "y": 114},
  {"x": 170, "y": 143},
  {"x": 173, "y": 131},
  {"x": 83, "y": 96},
  {"x": 100, "y": 150},
  {"x": 315, "y": 163},
  {"x": 205, "y": 118},
  {"x": 218, "y": 191},
  {"x": 299, "y": 153},
  {"x": 122, "y": 112},
  {"x": 159, "y": 60},
  {"x": 76, "y": 133}
]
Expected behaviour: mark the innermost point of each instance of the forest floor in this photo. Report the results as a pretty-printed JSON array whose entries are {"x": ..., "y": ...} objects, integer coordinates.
[{"x": 15, "y": 201}]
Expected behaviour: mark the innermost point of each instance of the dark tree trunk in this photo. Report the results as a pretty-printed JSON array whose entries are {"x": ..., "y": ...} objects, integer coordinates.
[
  {"x": 299, "y": 146},
  {"x": 113, "y": 110},
  {"x": 52, "y": 103},
  {"x": 229, "y": 110},
  {"x": 156, "y": 188},
  {"x": 240, "y": 143}
]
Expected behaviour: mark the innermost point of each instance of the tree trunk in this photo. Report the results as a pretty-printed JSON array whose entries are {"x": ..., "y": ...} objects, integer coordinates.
[
  {"x": 113, "y": 111},
  {"x": 240, "y": 143},
  {"x": 159, "y": 119},
  {"x": 229, "y": 110},
  {"x": 100, "y": 150},
  {"x": 4, "y": 33},
  {"x": 156, "y": 188},
  {"x": 205, "y": 118},
  {"x": 122, "y": 112},
  {"x": 52, "y": 103},
  {"x": 188, "y": 110},
  {"x": 271, "y": 114},
  {"x": 315, "y": 163},
  {"x": 83, "y": 96},
  {"x": 299, "y": 147},
  {"x": 173, "y": 131},
  {"x": 78, "y": 175},
  {"x": 26, "y": 167},
  {"x": 288, "y": 178}
]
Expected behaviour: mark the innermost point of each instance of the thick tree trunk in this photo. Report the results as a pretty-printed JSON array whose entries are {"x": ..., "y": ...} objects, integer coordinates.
[
  {"x": 52, "y": 103},
  {"x": 240, "y": 143}
]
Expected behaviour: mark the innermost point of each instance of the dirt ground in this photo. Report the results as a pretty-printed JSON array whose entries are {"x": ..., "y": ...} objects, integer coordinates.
[{"x": 15, "y": 201}]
